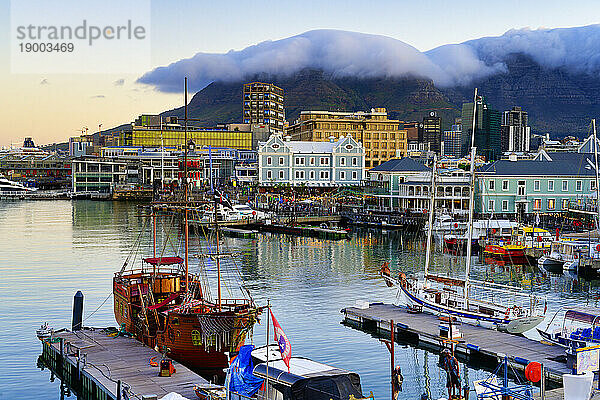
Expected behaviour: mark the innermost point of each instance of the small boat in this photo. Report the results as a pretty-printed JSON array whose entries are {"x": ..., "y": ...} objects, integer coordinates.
[
  {"x": 457, "y": 245},
  {"x": 564, "y": 256},
  {"x": 505, "y": 251},
  {"x": 305, "y": 378},
  {"x": 580, "y": 327},
  {"x": 8, "y": 186}
]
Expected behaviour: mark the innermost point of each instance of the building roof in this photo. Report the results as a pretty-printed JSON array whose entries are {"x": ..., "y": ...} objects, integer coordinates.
[
  {"x": 311, "y": 147},
  {"x": 405, "y": 164},
  {"x": 562, "y": 164}
]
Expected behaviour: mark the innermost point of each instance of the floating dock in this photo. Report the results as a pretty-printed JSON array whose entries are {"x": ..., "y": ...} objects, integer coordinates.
[
  {"x": 310, "y": 231},
  {"x": 478, "y": 345},
  {"x": 99, "y": 367}
]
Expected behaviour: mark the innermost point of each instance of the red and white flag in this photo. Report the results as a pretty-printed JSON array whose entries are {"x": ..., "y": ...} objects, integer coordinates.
[{"x": 284, "y": 344}]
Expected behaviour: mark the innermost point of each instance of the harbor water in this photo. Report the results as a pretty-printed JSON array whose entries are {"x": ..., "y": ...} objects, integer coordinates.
[{"x": 51, "y": 249}]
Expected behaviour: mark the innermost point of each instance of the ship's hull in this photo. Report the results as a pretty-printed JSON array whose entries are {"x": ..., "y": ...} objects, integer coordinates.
[{"x": 515, "y": 255}]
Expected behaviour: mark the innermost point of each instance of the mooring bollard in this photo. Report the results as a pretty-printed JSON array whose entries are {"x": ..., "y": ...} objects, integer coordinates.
[{"x": 77, "y": 311}]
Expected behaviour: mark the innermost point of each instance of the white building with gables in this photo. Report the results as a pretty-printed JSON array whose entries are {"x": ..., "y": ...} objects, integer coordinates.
[{"x": 315, "y": 164}]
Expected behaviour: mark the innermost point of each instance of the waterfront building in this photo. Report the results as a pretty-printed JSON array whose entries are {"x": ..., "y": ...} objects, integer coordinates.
[
  {"x": 381, "y": 137},
  {"x": 545, "y": 184},
  {"x": 145, "y": 166},
  {"x": 221, "y": 163},
  {"x": 432, "y": 132},
  {"x": 154, "y": 131},
  {"x": 94, "y": 174},
  {"x": 515, "y": 132},
  {"x": 337, "y": 162},
  {"x": 405, "y": 185},
  {"x": 487, "y": 130},
  {"x": 263, "y": 105},
  {"x": 35, "y": 167},
  {"x": 452, "y": 139},
  {"x": 568, "y": 144}
]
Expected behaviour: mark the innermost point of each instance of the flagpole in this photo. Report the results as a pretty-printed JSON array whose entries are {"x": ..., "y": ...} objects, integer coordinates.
[{"x": 268, "y": 323}]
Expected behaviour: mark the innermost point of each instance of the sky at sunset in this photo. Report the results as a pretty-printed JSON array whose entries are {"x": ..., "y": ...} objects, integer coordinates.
[{"x": 51, "y": 107}]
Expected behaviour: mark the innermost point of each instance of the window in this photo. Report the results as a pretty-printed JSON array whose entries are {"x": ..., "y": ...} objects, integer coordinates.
[
  {"x": 324, "y": 161},
  {"x": 343, "y": 161},
  {"x": 354, "y": 175},
  {"x": 551, "y": 186},
  {"x": 324, "y": 174},
  {"x": 505, "y": 185},
  {"x": 354, "y": 161},
  {"x": 536, "y": 186},
  {"x": 312, "y": 161},
  {"x": 537, "y": 204},
  {"x": 565, "y": 186},
  {"x": 281, "y": 160},
  {"x": 565, "y": 204},
  {"x": 504, "y": 205},
  {"x": 521, "y": 188},
  {"x": 551, "y": 204},
  {"x": 342, "y": 175},
  {"x": 269, "y": 174},
  {"x": 299, "y": 174},
  {"x": 592, "y": 185},
  {"x": 312, "y": 175},
  {"x": 578, "y": 185},
  {"x": 492, "y": 184},
  {"x": 491, "y": 205},
  {"x": 299, "y": 160},
  {"x": 280, "y": 174},
  {"x": 269, "y": 161}
]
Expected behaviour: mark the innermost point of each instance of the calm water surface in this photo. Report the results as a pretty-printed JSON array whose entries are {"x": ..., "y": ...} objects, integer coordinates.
[{"x": 49, "y": 250}]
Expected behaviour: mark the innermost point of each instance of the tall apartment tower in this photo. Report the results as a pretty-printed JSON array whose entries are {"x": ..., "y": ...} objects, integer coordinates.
[
  {"x": 515, "y": 132},
  {"x": 432, "y": 131},
  {"x": 263, "y": 105},
  {"x": 452, "y": 139},
  {"x": 487, "y": 130}
]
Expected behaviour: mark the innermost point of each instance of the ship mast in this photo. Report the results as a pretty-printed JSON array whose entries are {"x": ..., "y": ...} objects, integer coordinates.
[
  {"x": 597, "y": 188},
  {"x": 218, "y": 259},
  {"x": 185, "y": 190},
  {"x": 431, "y": 210},
  {"x": 471, "y": 204}
]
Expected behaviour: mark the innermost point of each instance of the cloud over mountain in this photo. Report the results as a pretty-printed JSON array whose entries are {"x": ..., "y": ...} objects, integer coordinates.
[{"x": 344, "y": 54}]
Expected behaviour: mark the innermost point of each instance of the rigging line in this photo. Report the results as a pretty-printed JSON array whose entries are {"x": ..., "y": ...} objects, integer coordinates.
[
  {"x": 135, "y": 247},
  {"x": 94, "y": 312}
]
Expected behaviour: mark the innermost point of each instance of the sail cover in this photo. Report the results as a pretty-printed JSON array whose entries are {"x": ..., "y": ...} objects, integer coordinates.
[
  {"x": 242, "y": 381},
  {"x": 164, "y": 260}
]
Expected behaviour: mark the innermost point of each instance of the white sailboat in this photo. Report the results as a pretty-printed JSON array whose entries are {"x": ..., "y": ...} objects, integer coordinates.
[{"x": 488, "y": 304}]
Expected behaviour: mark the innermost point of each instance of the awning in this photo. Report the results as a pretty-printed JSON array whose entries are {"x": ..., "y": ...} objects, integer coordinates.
[
  {"x": 169, "y": 299},
  {"x": 163, "y": 260}
]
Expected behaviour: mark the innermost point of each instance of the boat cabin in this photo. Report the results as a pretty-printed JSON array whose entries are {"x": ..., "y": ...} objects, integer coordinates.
[{"x": 306, "y": 379}]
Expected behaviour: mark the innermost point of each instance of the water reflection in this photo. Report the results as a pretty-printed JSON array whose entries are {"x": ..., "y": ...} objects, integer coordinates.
[{"x": 49, "y": 250}]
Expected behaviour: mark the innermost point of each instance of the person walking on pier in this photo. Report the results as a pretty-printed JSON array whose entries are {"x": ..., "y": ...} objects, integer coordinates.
[{"x": 450, "y": 364}]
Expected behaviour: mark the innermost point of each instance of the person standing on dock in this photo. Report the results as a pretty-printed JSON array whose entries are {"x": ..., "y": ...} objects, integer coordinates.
[{"x": 450, "y": 364}]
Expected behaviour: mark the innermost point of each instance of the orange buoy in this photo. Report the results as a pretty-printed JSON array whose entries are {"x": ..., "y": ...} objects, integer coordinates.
[{"x": 533, "y": 371}]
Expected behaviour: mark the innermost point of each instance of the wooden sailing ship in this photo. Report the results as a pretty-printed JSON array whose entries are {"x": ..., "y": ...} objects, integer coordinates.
[{"x": 166, "y": 307}]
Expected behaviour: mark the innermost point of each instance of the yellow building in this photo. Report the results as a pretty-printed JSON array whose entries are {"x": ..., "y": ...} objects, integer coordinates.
[
  {"x": 382, "y": 138},
  {"x": 150, "y": 131}
]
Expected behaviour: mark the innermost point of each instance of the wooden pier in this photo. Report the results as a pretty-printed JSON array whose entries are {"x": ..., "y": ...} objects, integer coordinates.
[
  {"x": 478, "y": 345},
  {"x": 299, "y": 230},
  {"x": 97, "y": 366}
]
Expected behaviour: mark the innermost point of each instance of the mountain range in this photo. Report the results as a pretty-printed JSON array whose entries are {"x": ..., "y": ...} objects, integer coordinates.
[{"x": 554, "y": 74}]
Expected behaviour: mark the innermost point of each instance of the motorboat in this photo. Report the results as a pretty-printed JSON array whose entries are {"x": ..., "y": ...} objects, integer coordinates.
[
  {"x": 574, "y": 327},
  {"x": 254, "y": 375},
  {"x": 8, "y": 186}
]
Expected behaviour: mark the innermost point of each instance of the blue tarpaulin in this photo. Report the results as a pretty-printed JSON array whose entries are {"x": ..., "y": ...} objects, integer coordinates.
[{"x": 242, "y": 380}]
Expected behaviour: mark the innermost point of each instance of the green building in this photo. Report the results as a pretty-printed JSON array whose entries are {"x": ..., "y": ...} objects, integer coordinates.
[
  {"x": 487, "y": 130},
  {"x": 546, "y": 184}
]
